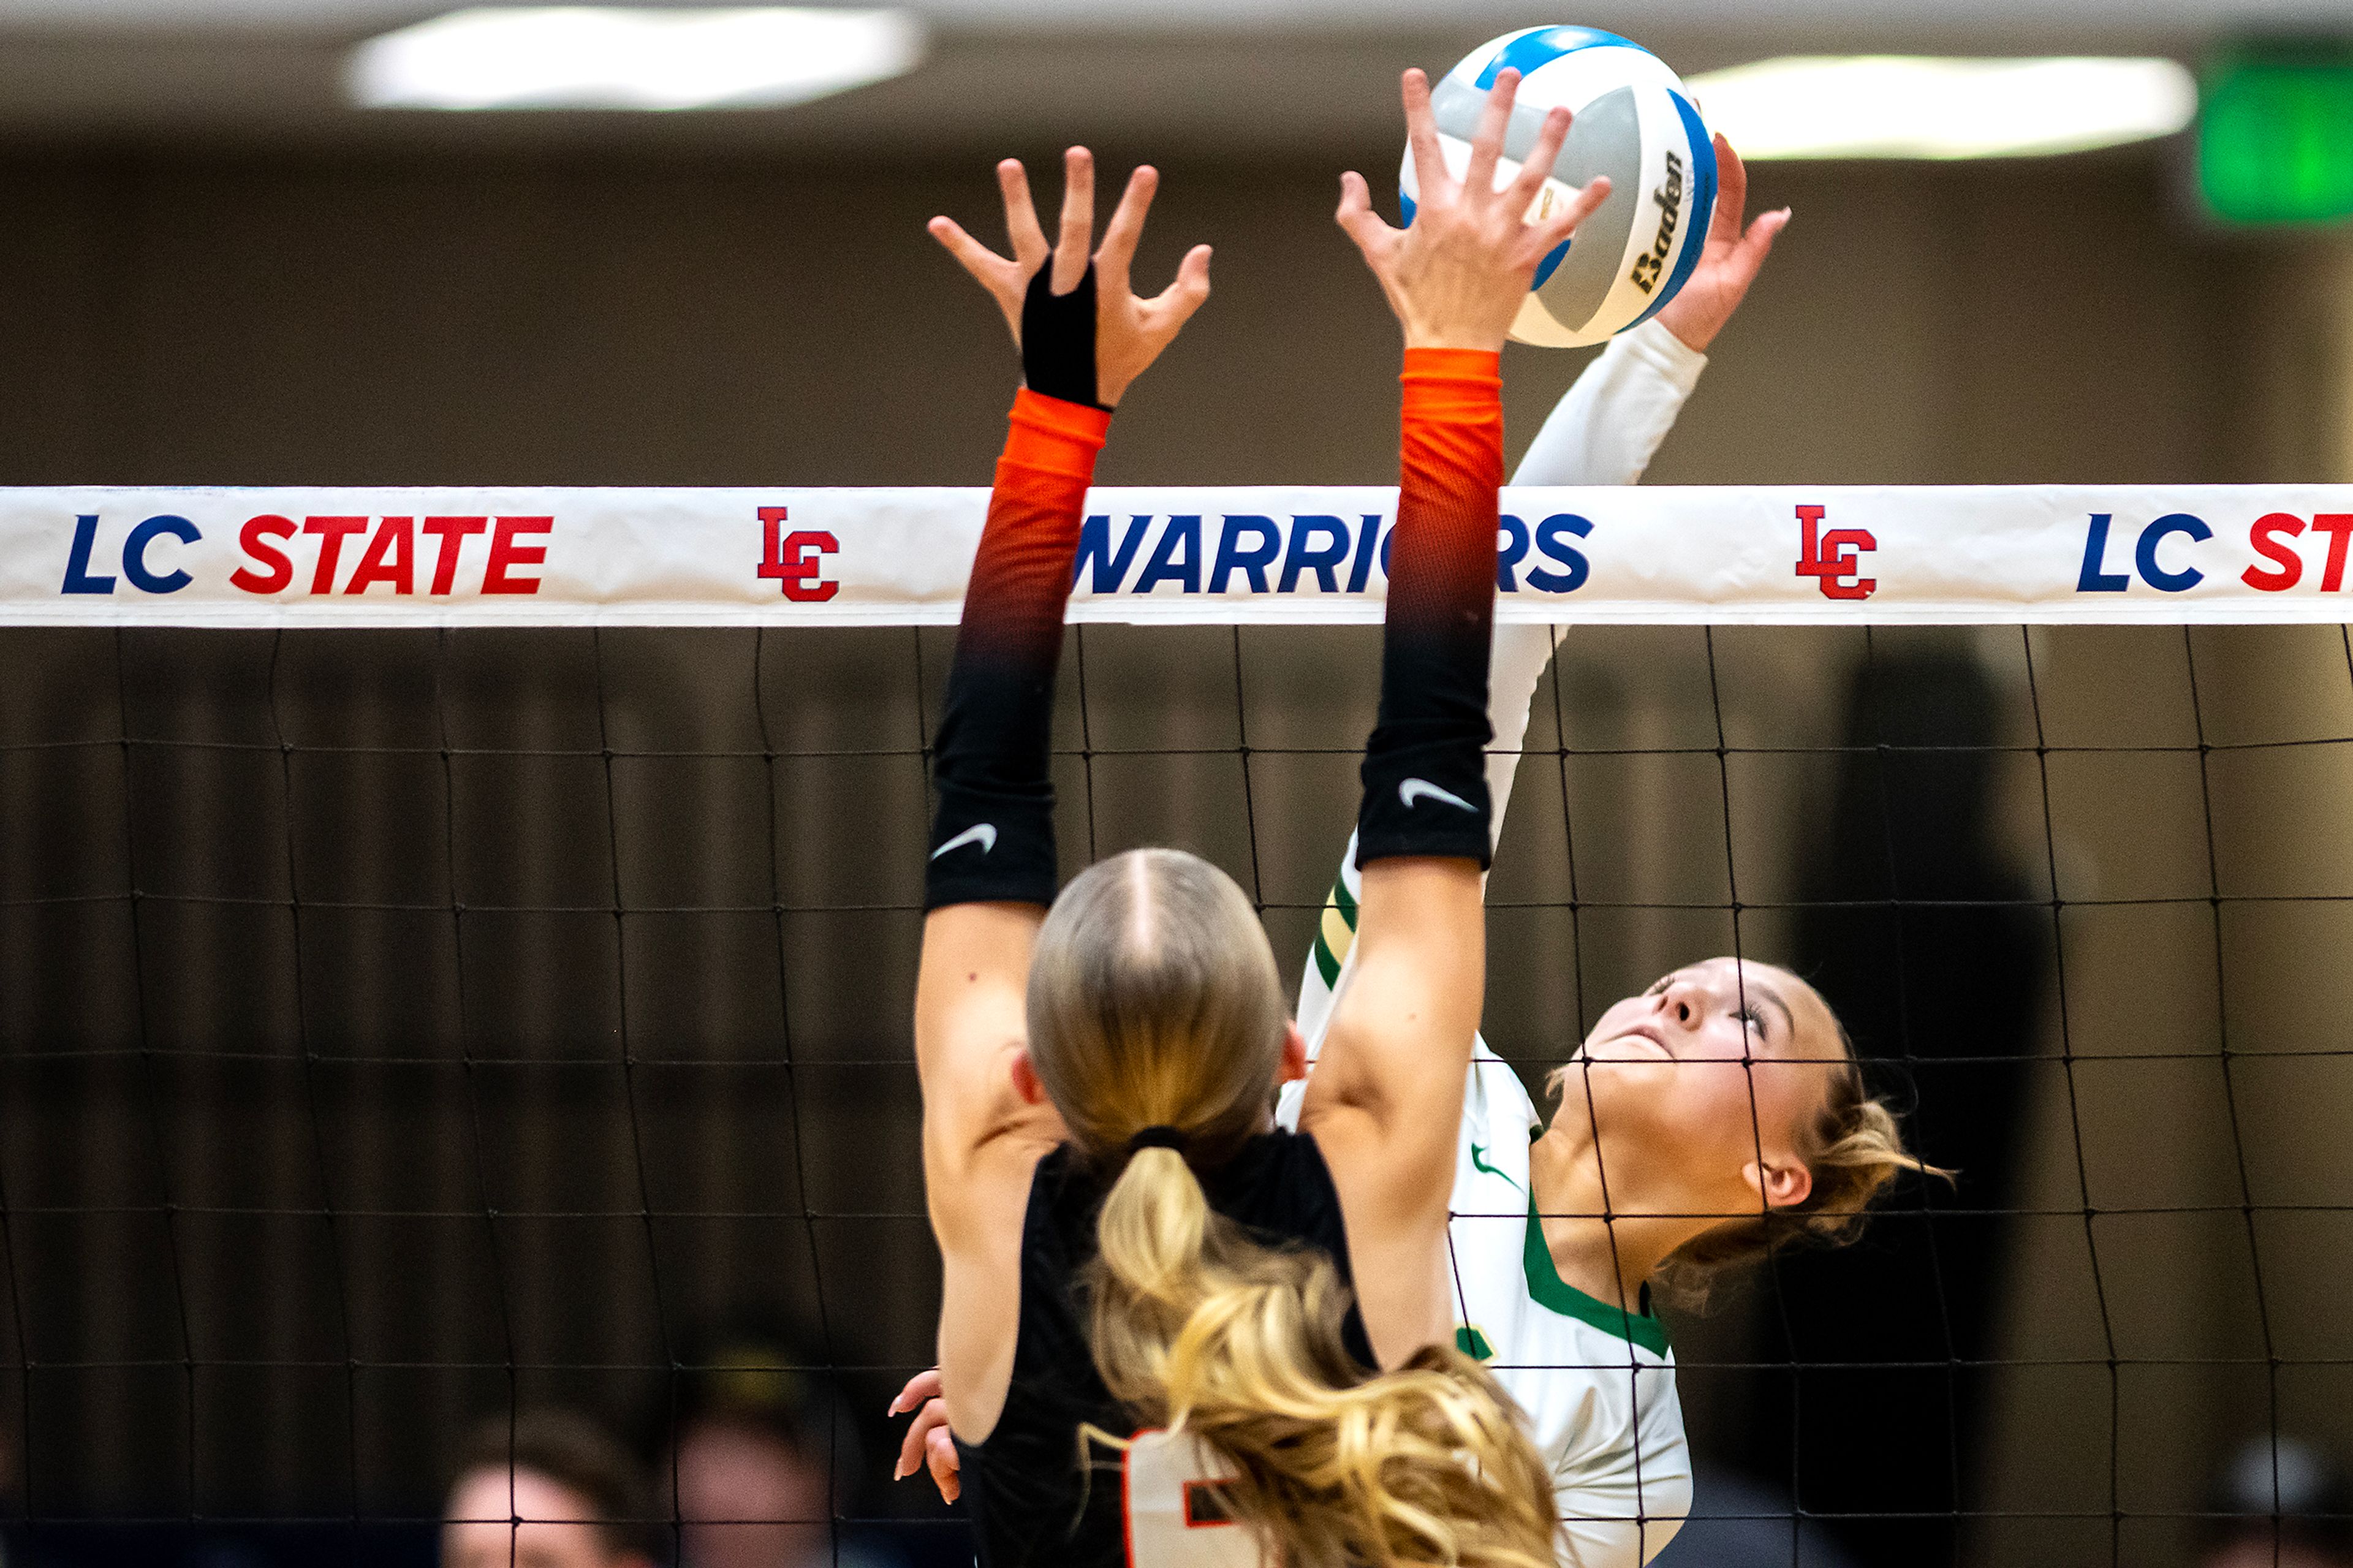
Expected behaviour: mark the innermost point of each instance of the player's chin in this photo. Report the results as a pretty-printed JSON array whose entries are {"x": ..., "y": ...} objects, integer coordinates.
[
  {"x": 1638, "y": 1059},
  {"x": 1628, "y": 1092}
]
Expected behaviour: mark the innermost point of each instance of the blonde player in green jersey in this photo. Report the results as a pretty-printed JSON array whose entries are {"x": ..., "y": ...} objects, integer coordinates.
[
  {"x": 1699, "y": 1125},
  {"x": 1725, "y": 1092}
]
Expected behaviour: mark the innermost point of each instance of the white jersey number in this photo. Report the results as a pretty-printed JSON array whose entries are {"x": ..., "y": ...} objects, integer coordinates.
[{"x": 1175, "y": 1509}]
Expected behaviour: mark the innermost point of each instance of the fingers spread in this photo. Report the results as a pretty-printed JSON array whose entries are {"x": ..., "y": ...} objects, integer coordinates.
[
  {"x": 1029, "y": 246},
  {"x": 1538, "y": 168},
  {"x": 1176, "y": 303},
  {"x": 1422, "y": 136},
  {"x": 1076, "y": 237},
  {"x": 1731, "y": 191},
  {"x": 1125, "y": 228},
  {"x": 1487, "y": 146},
  {"x": 1755, "y": 245},
  {"x": 976, "y": 258},
  {"x": 1356, "y": 217},
  {"x": 1555, "y": 229}
]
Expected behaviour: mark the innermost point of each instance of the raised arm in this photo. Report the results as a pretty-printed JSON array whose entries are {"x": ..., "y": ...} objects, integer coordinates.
[
  {"x": 1083, "y": 336},
  {"x": 1603, "y": 431},
  {"x": 1608, "y": 424},
  {"x": 1385, "y": 1099}
]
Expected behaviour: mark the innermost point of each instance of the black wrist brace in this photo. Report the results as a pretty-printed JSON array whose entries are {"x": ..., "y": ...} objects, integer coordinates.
[{"x": 1058, "y": 338}]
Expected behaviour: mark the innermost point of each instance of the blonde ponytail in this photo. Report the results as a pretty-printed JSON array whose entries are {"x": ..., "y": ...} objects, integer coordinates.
[
  {"x": 1155, "y": 1001},
  {"x": 1200, "y": 1329}
]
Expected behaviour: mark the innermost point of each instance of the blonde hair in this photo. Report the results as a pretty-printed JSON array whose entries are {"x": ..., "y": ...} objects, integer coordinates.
[{"x": 1155, "y": 1001}]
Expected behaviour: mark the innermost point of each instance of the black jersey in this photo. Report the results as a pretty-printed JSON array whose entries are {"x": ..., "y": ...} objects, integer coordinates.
[{"x": 1030, "y": 1501}]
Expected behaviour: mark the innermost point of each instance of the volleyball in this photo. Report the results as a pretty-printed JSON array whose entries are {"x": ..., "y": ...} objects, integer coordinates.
[{"x": 1636, "y": 123}]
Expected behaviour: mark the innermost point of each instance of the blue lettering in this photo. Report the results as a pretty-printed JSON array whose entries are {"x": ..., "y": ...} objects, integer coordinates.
[
  {"x": 1094, "y": 544},
  {"x": 1551, "y": 544},
  {"x": 2155, "y": 534},
  {"x": 78, "y": 577},
  {"x": 1253, "y": 563},
  {"x": 2091, "y": 579},
  {"x": 1513, "y": 545},
  {"x": 1363, "y": 568},
  {"x": 1301, "y": 558},
  {"x": 1166, "y": 565},
  {"x": 134, "y": 554}
]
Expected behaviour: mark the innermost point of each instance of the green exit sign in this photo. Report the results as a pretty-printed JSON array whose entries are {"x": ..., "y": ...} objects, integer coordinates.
[{"x": 2275, "y": 137}]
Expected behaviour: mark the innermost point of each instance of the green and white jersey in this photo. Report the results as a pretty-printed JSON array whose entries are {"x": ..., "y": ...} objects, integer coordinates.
[{"x": 1598, "y": 1383}]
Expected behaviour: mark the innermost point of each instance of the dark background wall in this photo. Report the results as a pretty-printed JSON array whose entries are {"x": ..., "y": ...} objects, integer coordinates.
[
  {"x": 550, "y": 319},
  {"x": 368, "y": 1113}
]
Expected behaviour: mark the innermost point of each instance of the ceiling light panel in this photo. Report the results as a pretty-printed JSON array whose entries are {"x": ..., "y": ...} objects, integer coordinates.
[
  {"x": 580, "y": 57},
  {"x": 1905, "y": 106}
]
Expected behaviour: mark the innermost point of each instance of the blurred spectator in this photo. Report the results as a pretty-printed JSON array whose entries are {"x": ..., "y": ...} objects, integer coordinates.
[
  {"x": 1919, "y": 931},
  {"x": 761, "y": 1461},
  {"x": 2280, "y": 1504},
  {"x": 545, "y": 1489}
]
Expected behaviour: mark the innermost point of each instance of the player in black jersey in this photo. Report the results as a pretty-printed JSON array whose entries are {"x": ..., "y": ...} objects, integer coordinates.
[{"x": 1170, "y": 1333}]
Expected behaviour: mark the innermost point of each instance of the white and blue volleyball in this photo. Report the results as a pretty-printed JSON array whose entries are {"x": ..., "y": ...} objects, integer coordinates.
[{"x": 1636, "y": 123}]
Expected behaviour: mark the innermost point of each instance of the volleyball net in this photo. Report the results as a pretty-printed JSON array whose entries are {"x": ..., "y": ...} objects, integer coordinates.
[
  {"x": 459, "y": 949},
  {"x": 1245, "y": 555}
]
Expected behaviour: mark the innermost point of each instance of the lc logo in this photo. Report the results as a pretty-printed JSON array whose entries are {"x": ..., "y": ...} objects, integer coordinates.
[
  {"x": 1834, "y": 556},
  {"x": 797, "y": 559}
]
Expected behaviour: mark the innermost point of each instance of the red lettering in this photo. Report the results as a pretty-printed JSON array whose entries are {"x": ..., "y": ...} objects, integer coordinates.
[
  {"x": 1840, "y": 545},
  {"x": 1833, "y": 555},
  {"x": 794, "y": 559},
  {"x": 277, "y": 571},
  {"x": 453, "y": 532},
  {"x": 505, "y": 552},
  {"x": 772, "y": 560},
  {"x": 2338, "y": 526},
  {"x": 388, "y": 557},
  {"x": 801, "y": 554},
  {"x": 331, "y": 532},
  {"x": 2264, "y": 537},
  {"x": 1810, "y": 555}
]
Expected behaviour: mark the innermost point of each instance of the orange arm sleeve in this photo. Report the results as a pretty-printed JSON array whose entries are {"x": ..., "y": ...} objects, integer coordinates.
[
  {"x": 1425, "y": 766},
  {"x": 993, "y": 834}
]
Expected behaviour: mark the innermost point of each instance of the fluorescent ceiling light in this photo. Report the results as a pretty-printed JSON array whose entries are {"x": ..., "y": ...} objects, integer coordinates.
[
  {"x": 579, "y": 56},
  {"x": 1897, "y": 106}
]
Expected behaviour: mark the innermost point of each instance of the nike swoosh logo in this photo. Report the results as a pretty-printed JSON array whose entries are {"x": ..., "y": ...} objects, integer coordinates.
[
  {"x": 981, "y": 833},
  {"x": 1417, "y": 789},
  {"x": 1479, "y": 1163}
]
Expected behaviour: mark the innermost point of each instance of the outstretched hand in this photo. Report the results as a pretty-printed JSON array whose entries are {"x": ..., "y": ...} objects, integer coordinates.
[
  {"x": 1130, "y": 332},
  {"x": 1458, "y": 275},
  {"x": 1729, "y": 260}
]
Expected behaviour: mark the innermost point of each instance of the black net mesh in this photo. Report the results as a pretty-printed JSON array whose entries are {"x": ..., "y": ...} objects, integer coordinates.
[{"x": 406, "y": 1031}]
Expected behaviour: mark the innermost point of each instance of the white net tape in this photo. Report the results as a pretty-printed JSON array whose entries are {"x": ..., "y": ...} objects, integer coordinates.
[{"x": 1255, "y": 554}]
